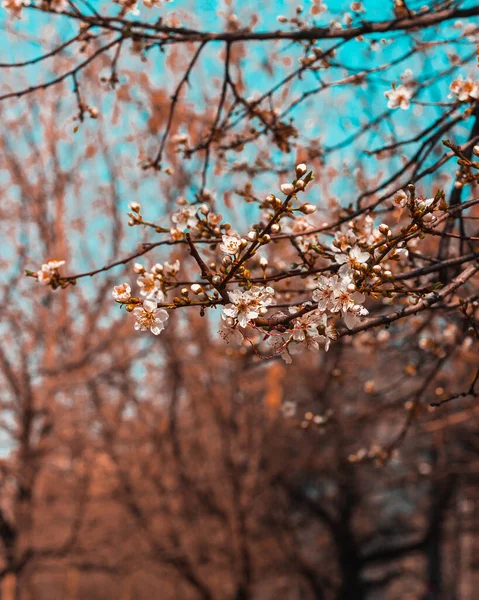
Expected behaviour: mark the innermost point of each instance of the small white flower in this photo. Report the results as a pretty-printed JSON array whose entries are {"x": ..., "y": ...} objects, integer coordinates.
[
  {"x": 185, "y": 217},
  {"x": 351, "y": 319},
  {"x": 230, "y": 333},
  {"x": 352, "y": 259},
  {"x": 324, "y": 292},
  {"x": 329, "y": 333},
  {"x": 171, "y": 269},
  {"x": 150, "y": 317},
  {"x": 246, "y": 306},
  {"x": 150, "y": 286},
  {"x": 402, "y": 253},
  {"x": 44, "y": 277},
  {"x": 231, "y": 244},
  {"x": 122, "y": 292},
  {"x": 464, "y": 89},
  {"x": 399, "y": 97},
  {"x": 48, "y": 271},
  {"x": 425, "y": 203},
  {"x": 400, "y": 199}
]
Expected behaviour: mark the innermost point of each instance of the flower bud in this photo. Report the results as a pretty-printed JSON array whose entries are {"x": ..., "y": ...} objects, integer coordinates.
[
  {"x": 476, "y": 150},
  {"x": 307, "y": 209},
  {"x": 204, "y": 209},
  {"x": 384, "y": 229},
  {"x": 287, "y": 188},
  {"x": 301, "y": 169},
  {"x": 134, "y": 206},
  {"x": 300, "y": 185},
  {"x": 227, "y": 260},
  {"x": 216, "y": 279},
  {"x": 263, "y": 261},
  {"x": 252, "y": 235},
  {"x": 196, "y": 288},
  {"x": 275, "y": 228},
  {"x": 138, "y": 268}
]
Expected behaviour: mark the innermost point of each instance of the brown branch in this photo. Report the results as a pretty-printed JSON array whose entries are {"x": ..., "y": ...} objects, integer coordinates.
[{"x": 470, "y": 392}]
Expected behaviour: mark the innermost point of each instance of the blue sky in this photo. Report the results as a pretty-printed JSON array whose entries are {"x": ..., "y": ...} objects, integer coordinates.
[{"x": 329, "y": 117}]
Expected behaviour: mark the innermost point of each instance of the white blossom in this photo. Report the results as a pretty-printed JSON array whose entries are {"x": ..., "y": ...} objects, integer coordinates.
[
  {"x": 171, "y": 269},
  {"x": 150, "y": 287},
  {"x": 185, "y": 217},
  {"x": 148, "y": 316},
  {"x": 399, "y": 97},
  {"x": 352, "y": 317},
  {"x": 48, "y": 271},
  {"x": 122, "y": 292},
  {"x": 464, "y": 89},
  {"x": 400, "y": 199},
  {"x": 246, "y": 306},
  {"x": 231, "y": 244},
  {"x": 306, "y": 330},
  {"x": 230, "y": 333},
  {"x": 352, "y": 259},
  {"x": 324, "y": 292}
]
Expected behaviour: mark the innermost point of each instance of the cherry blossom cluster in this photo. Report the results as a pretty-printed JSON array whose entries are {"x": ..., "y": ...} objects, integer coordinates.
[
  {"x": 49, "y": 274},
  {"x": 344, "y": 269},
  {"x": 14, "y": 7},
  {"x": 462, "y": 90}
]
